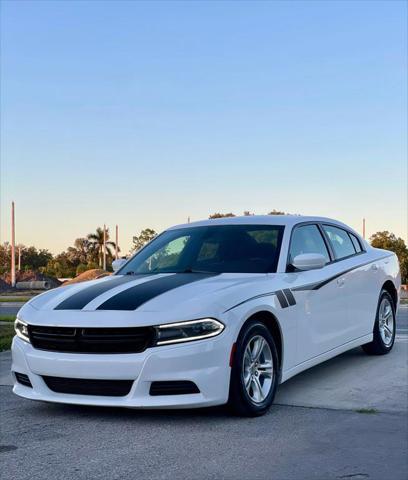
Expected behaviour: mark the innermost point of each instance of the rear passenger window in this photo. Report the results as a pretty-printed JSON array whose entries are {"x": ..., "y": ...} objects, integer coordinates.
[
  {"x": 307, "y": 239},
  {"x": 340, "y": 241},
  {"x": 356, "y": 243}
]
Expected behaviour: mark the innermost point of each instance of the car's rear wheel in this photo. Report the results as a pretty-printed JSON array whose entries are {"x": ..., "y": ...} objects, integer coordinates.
[
  {"x": 255, "y": 371},
  {"x": 384, "y": 327}
]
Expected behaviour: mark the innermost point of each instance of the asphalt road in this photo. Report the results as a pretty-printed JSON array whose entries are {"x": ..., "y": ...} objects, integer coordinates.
[
  {"x": 344, "y": 419},
  {"x": 64, "y": 442},
  {"x": 402, "y": 319},
  {"x": 10, "y": 308}
]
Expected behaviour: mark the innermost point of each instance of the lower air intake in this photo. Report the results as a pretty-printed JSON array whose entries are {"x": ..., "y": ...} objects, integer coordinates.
[
  {"x": 82, "y": 386},
  {"x": 175, "y": 387},
  {"x": 23, "y": 379}
]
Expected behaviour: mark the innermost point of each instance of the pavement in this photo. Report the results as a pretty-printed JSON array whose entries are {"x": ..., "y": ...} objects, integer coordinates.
[
  {"x": 344, "y": 419},
  {"x": 10, "y": 308}
]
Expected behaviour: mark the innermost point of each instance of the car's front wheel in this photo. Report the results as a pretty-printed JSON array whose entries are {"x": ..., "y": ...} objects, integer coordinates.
[
  {"x": 384, "y": 327},
  {"x": 255, "y": 371}
]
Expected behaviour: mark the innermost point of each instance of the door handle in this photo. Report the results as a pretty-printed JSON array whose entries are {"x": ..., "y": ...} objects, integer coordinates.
[
  {"x": 340, "y": 281},
  {"x": 374, "y": 267}
]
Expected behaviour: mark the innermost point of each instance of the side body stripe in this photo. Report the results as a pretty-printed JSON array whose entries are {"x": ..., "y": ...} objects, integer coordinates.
[
  {"x": 289, "y": 296},
  {"x": 286, "y": 297},
  {"x": 282, "y": 299},
  {"x": 318, "y": 285}
]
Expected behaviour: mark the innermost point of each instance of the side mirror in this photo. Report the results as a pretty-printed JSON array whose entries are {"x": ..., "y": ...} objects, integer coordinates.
[
  {"x": 117, "y": 264},
  {"x": 309, "y": 261}
]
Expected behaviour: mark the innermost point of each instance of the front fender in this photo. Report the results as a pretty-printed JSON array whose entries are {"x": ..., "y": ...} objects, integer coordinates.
[{"x": 236, "y": 317}]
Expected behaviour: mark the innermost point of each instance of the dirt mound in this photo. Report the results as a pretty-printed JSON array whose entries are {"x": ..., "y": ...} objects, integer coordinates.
[
  {"x": 27, "y": 276},
  {"x": 88, "y": 275}
]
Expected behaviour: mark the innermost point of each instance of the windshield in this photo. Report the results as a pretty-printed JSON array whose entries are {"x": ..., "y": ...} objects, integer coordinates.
[{"x": 219, "y": 249}]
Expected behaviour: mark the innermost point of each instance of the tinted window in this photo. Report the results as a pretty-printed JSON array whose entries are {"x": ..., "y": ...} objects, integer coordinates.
[
  {"x": 340, "y": 241},
  {"x": 356, "y": 243},
  {"x": 221, "y": 248},
  {"x": 165, "y": 257},
  {"x": 307, "y": 239}
]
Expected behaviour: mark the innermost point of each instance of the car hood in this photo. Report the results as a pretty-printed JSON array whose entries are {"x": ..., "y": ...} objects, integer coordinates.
[{"x": 163, "y": 297}]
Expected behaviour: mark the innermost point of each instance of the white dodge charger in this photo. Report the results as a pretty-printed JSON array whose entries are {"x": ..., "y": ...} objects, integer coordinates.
[{"x": 209, "y": 313}]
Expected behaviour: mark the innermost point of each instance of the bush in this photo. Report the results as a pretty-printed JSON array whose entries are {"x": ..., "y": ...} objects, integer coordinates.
[
  {"x": 81, "y": 268},
  {"x": 92, "y": 266}
]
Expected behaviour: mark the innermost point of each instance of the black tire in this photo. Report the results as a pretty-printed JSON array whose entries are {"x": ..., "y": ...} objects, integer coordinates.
[
  {"x": 240, "y": 401},
  {"x": 378, "y": 346}
]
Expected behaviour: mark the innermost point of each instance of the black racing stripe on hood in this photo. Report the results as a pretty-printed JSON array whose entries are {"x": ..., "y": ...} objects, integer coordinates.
[
  {"x": 78, "y": 300},
  {"x": 133, "y": 297}
]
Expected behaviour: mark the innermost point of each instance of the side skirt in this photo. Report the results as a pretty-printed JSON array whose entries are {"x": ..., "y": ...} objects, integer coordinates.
[{"x": 325, "y": 356}]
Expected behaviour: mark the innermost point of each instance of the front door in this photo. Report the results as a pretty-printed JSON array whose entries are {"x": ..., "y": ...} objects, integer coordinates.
[{"x": 322, "y": 297}]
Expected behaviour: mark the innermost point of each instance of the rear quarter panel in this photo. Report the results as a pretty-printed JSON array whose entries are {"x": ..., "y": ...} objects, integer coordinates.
[{"x": 389, "y": 270}]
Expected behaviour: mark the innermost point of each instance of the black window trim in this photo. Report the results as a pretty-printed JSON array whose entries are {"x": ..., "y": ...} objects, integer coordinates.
[
  {"x": 333, "y": 259},
  {"x": 351, "y": 235},
  {"x": 355, "y": 254}
]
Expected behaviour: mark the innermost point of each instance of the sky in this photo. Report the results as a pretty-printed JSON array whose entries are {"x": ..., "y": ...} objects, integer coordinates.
[{"x": 143, "y": 114}]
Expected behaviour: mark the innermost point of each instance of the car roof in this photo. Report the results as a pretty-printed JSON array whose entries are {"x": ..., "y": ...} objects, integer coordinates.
[{"x": 284, "y": 220}]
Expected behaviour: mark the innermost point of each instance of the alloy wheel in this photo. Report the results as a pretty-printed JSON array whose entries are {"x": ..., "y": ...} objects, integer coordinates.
[
  {"x": 386, "y": 321},
  {"x": 257, "y": 368}
]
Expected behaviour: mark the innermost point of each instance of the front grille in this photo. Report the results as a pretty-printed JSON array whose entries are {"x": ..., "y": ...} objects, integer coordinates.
[
  {"x": 82, "y": 386},
  {"x": 23, "y": 379},
  {"x": 174, "y": 387},
  {"x": 91, "y": 340}
]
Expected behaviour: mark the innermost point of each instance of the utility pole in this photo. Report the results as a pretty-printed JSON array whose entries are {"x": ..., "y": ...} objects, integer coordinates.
[
  {"x": 116, "y": 243},
  {"x": 364, "y": 228},
  {"x": 104, "y": 247},
  {"x": 13, "y": 248},
  {"x": 19, "y": 258}
]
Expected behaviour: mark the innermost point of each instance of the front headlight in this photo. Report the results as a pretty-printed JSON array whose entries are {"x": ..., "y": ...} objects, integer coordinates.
[
  {"x": 21, "y": 330},
  {"x": 188, "y": 331}
]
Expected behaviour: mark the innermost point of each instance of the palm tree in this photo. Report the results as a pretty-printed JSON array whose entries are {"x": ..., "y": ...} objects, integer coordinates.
[{"x": 96, "y": 243}]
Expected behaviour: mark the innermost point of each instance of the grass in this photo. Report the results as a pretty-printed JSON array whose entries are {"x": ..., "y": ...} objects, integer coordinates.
[
  {"x": 6, "y": 336},
  {"x": 7, "y": 318},
  {"x": 367, "y": 411},
  {"x": 14, "y": 299},
  {"x": 404, "y": 301}
]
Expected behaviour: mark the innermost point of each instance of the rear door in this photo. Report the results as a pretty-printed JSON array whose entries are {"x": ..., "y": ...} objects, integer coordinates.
[{"x": 359, "y": 278}]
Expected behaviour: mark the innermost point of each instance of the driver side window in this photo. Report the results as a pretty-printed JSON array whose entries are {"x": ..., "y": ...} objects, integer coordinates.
[
  {"x": 307, "y": 239},
  {"x": 166, "y": 257}
]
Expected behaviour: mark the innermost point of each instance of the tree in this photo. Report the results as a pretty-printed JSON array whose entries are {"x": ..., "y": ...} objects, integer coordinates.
[
  {"x": 277, "y": 212},
  {"x": 5, "y": 257},
  {"x": 61, "y": 266},
  {"x": 33, "y": 259},
  {"x": 82, "y": 248},
  {"x": 96, "y": 243},
  {"x": 221, "y": 215},
  {"x": 144, "y": 237},
  {"x": 388, "y": 241}
]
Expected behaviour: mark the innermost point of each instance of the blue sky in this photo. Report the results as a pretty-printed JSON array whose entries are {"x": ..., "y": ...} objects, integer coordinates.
[{"x": 145, "y": 113}]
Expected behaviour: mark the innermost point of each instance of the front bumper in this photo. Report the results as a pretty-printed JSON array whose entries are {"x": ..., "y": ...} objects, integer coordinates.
[{"x": 204, "y": 362}]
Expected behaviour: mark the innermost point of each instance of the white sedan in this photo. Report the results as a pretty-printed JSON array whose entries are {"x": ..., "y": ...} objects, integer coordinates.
[{"x": 209, "y": 313}]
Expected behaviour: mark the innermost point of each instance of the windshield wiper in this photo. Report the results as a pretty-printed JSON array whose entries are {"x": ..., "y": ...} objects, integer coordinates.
[
  {"x": 192, "y": 270},
  {"x": 137, "y": 273}
]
